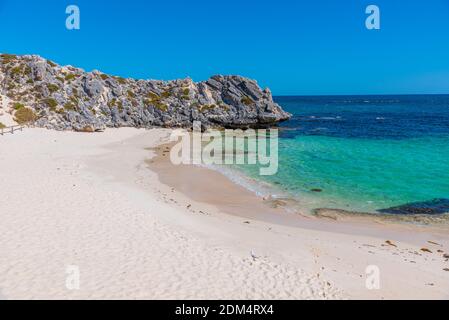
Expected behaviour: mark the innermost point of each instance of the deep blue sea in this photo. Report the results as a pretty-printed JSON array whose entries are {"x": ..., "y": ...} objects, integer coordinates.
[{"x": 365, "y": 153}]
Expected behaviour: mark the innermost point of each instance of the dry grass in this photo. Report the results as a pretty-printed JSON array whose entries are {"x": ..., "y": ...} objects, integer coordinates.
[{"x": 24, "y": 115}]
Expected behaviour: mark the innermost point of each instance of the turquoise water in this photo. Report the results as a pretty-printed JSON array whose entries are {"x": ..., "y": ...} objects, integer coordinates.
[{"x": 364, "y": 153}]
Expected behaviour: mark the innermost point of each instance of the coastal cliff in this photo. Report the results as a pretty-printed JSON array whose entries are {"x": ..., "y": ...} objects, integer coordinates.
[{"x": 33, "y": 89}]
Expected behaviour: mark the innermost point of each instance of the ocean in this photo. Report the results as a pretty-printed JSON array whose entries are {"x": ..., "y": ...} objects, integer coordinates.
[{"x": 377, "y": 154}]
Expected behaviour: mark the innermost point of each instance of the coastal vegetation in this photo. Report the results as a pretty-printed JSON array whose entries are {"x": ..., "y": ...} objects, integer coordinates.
[
  {"x": 69, "y": 106},
  {"x": 24, "y": 116},
  {"x": 18, "y": 106},
  {"x": 207, "y": 107},
  {"x": 51, "y": 103},
  {"x": 52, "y": 87},
  {"x": 51, "y": 63},
  {"x": 7, "y": 58},
  {"x": 247, "y": 101}
]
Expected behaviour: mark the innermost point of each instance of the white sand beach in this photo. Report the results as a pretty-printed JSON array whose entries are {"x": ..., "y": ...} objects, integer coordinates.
[{"x": 134, "y": 231}]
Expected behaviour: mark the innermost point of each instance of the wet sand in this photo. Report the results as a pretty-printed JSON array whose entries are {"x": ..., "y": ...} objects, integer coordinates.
[{"x": 211, "y": 187}]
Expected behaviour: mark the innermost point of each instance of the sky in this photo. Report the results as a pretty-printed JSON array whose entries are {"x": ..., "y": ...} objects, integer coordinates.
[{"x": 294, "y": 47}]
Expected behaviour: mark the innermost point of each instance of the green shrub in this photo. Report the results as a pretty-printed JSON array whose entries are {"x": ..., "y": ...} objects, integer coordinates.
[
  {"x": 8, "y": 57},
  {"x": 69, "y": 77},
  {"x": 166, "y": 94},
  {"x": 161, "y": 106},
  {"x": 119, "y": 106},
  {"x": 131, "y": 94},
  {"x": 52, "y": 87},
  {"x": 16, "y": 70},
  {"x": 17, "y": 106},
  {"x": 28, "y": 71},
  {"x": 247, "y": 101},
  {"x": 51, "y": 103},
  {"x": 24, "y": 115},
  {"x": 2, "y": 126},
  {"x": 206, "y": 107},
  {"x": 104, "y": 76},
  {"x": 120, "y": 80},
  {"x": 51, "y": 63},
  {"x": 153, "y": 96},
  {"x": 69, "y": 106},
  {"x": 112, "y": 103},
  {"x": 74, "y": 99},
  {"x": 155, "y": 101},
  {"x": 186, "y": 91}
]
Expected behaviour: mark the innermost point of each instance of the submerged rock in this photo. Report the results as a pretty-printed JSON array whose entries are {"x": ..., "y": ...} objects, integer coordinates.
[
  {"x": 68, "y": 98},
  {"x": 432, "y": 207},
  {"x": 339, "y": 214}
]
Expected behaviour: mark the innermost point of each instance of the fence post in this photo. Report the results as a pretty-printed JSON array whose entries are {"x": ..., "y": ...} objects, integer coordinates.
[{"x": 10, "y": 129}]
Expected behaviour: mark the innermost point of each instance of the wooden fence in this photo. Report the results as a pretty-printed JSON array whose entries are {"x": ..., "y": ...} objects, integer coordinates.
[{"x": 11, "y": 129}]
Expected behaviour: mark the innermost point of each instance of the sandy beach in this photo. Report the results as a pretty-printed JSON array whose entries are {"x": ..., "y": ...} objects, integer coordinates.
[{"x": 137, "y": 227}]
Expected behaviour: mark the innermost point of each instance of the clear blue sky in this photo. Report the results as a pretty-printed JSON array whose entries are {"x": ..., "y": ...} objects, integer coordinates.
[{"x": 293, "y": 47}]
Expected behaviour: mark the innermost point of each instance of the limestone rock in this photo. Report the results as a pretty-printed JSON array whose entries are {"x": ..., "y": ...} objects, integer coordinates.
[{"x": 68, "y": 98}]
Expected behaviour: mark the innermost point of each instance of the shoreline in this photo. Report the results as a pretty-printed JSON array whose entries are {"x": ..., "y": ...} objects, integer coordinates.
[
  {"x": 91, "y": 200},
  {"x": 383, "y": 228},
  {"x": 191, "y": 180}
]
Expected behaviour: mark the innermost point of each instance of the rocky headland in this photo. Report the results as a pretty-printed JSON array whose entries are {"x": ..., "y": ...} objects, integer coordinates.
[{"x": 38, "y": 91}]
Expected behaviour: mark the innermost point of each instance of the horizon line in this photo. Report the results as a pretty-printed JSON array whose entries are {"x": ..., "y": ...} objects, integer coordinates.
[{"x": 360, "y": 95}]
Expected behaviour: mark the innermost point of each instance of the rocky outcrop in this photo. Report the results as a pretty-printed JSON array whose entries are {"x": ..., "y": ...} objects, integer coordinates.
[{"x": 68, "y": 98}]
